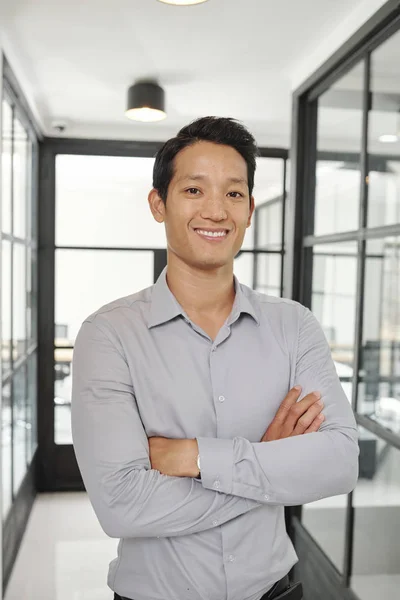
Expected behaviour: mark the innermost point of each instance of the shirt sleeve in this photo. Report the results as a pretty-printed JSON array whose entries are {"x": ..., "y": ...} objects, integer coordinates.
[
  {"x": 129, "y": 498},
  {"x": 298, "y": 469}
]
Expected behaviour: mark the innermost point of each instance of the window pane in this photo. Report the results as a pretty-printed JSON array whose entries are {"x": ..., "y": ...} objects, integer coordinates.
[
  {"x": 29, "y": 189},
  {"x": 243, "y": 268},
  {"x": 88, "y": 279},
  {"x": 6, "y": 306},
  {"x": 337, "y": 185},
  {"x": 268, "y": 191},
  {"x": 269, "y": 225},
  {"x": 19, "y": 427},
  {"x": 376, "y": 499},
  {"x": 269, "y": 274},
  {"x": 334, "y": 303},
  {"x": 31, "y": 418},
  {"x": 6, "y": 167},
  {"x": 19, "y": 300},
  {"x": 379, "y": 387},
  {"x": 6, "y": 449},
  {"x": 384, "y": 121},
  {"x": 85, "y": 281},
  {"x": 102, "y": 201},
  {"x": 20, "y": 180},
  {"x": 32, "y": 296},
  {"x": 62, "y": 395}
]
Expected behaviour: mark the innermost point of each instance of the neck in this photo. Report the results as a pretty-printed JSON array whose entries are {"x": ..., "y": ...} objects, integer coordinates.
[{"x": 200, "y": 291}]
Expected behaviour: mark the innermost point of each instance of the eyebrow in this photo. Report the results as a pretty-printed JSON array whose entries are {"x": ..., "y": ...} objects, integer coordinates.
[{"x": 202, "y": 177}]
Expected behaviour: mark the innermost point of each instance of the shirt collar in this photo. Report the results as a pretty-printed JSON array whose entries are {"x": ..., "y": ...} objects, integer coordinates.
[{"x": 165, "y": 307}]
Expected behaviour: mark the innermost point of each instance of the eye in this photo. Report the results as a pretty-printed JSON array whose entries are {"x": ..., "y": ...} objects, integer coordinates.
[
  {"x": 238, "y": 195},
  {"x": 192, "y": 191}
]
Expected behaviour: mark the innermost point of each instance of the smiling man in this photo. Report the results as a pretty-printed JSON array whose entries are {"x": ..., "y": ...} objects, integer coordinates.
[{"x": 201, "y": 408}]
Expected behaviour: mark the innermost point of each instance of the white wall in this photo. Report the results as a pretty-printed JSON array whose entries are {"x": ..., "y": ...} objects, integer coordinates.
[{"x": 361, "y": 13}]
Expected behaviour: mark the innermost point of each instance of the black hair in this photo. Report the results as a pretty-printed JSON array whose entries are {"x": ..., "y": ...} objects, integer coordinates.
[{"x": 219, "y": 130}]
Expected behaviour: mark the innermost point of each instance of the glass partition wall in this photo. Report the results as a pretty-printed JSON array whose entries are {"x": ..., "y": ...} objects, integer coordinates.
[
  {"x": 18, "y": 319},
  {"x": 349, "y": 275}
]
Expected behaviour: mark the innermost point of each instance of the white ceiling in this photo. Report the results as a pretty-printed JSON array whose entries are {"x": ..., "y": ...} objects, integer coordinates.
[{"x": 225, "y": 57}]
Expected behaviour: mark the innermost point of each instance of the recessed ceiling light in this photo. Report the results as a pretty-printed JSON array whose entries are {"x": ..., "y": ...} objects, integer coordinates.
[
  {"x": 182, "y": 2},
  {"x": 146, "y": 102},
  {"x": 388, "y": 138}
]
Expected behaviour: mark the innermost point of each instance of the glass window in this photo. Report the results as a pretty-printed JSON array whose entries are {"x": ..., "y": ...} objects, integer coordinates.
[
  {"x": 19, "y": 301},
  {"x": 31, "y": 416},
  {"x": 243, "y": 268},
  {"x": 19, "y": 427},
  {"x": 31, "y": 296},
  {"x": 6, "y": 159},
  {"x": 6, "y": 436},
  {"x": 269, "y": 267},
  {"x": 379, "y": 387},
  {"x": 20, "y": 179},
  {"x": 268, "y": 187},
  {"x": 269, "y": 225},
  {"x": 88, "y": 279},
  {"x": 384, "y": 135},
  {"x": 334, "y": 304},
  {"x": 337, "y": 183},
  {"x": 6, "y": 307},
  {"x": 376, "y": 500},
  {"x": 62, "y": 395},
  {"x": 102, "y": 201},
  {"x": 85, "y": 281}
]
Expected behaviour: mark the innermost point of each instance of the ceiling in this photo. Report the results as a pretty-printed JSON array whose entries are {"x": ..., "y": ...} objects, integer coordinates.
[{"x": 225, "y": 57}]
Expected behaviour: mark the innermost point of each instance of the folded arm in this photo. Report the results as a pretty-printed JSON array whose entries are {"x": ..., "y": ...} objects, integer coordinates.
[
  {"x": 294, "y": 470},
  {"x": 130, "y": 499}
]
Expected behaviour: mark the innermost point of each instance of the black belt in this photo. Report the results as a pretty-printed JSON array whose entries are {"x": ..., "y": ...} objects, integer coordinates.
[{"x": 282, "y": 590}]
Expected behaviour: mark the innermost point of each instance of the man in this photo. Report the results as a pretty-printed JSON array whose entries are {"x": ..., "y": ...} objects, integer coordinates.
[{"x": 188, "y": 428}]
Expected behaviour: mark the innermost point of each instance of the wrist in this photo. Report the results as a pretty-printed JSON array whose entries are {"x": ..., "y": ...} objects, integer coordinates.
[{"x": 192, "y": 455}]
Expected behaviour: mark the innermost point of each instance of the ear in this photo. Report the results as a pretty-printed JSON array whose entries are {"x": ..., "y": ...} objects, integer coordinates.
[
  {"x": 157, "y": 206},
  {"x": 252, "y": 207}
]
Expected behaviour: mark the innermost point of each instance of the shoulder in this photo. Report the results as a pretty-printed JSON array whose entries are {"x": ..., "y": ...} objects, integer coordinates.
[
  {"x": 115, "y": 315},
  {"x": 273, "y": 306}
]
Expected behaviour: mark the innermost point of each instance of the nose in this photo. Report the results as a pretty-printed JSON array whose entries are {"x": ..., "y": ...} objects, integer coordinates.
[{"x": 214, "y": 208}]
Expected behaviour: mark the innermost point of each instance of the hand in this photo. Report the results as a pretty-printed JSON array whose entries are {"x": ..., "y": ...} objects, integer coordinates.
[
  {"x": 296, "y": 418},
  {"x": 176, "y": 458}
]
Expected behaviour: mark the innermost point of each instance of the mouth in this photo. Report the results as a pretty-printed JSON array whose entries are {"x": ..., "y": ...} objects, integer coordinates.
[{"x": 212, "y": 235}]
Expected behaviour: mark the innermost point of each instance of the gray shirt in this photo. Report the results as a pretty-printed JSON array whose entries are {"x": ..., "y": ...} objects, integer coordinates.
[{"x": 141, "y": 368}]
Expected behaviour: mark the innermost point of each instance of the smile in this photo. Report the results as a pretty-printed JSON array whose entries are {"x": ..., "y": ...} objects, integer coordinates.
[{"x": 212, "y": 235}]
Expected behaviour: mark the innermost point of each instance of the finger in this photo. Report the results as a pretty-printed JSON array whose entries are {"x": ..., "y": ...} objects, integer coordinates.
[
  {"x": 298, "y": 410},
  {"x": 289, "y": 401},
  {"x": 308, "y": 418},
  {"x": 316, "y": 424}
]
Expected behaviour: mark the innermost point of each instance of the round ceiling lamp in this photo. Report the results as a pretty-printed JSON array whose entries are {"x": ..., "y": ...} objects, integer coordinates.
[
  {"x": 146, "y": 102},
  {"x": 183, "y": 2}
]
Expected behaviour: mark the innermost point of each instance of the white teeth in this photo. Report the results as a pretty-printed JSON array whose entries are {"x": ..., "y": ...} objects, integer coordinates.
[{"x": 212, "y": 233}]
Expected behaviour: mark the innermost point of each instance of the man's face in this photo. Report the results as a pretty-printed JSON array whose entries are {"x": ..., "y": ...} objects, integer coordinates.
[{"x": 208, "y": 207}]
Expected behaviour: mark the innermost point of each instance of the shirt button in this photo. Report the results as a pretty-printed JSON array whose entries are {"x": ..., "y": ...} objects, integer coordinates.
[
  {"x": 216, "y": 484},
  {"x": 231, "y": 558},
  {"x": 266, "y": 496},
  {"x": 221, "y": 398},
  {"x": 215, "y": 523},
  {"x": 213, "y": 349}
]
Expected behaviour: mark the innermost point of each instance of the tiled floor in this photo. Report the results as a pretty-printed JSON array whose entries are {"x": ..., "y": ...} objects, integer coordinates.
[{"x": 64, "y": 554}]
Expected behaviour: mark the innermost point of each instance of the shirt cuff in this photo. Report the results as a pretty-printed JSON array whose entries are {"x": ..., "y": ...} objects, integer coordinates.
[{"x": 216, "y": 462}]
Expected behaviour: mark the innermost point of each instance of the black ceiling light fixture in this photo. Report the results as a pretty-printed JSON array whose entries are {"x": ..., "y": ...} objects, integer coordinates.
[
  {"x": 146, "y": 102},
  {"x": 183, "y": 2}
]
